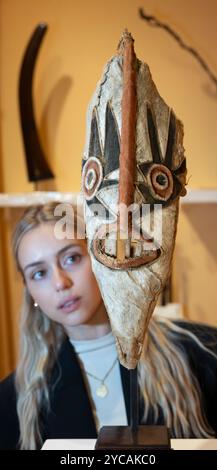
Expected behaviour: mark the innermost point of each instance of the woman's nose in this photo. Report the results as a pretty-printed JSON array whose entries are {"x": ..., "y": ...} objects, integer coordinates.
[{"x": 61, "y": 279}]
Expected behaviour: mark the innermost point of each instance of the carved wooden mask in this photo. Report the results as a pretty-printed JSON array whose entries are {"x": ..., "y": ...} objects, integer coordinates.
[{"x": 134, "y": 156}]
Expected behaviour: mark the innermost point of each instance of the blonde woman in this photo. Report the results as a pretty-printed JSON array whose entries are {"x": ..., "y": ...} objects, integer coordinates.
[{"x": 68, "y": 381}]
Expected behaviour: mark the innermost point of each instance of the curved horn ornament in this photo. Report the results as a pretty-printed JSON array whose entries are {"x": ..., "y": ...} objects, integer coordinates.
[{"x": 37, "y": 166}]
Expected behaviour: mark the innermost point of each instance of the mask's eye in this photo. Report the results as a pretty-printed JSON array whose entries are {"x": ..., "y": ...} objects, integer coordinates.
[
  {"x": 91, "y": 177},
  {"x": 160, "y": 181}
]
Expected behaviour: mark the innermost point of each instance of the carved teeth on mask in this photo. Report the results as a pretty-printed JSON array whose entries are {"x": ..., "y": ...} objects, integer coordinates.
[{"x": 138, "y": 251}]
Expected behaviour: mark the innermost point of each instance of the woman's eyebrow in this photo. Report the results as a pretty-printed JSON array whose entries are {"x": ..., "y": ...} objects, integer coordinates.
[
  {"x": 32, "y": 265},
  {"x": 60, "y": 252},
  {"x": 72, "y": 245}
]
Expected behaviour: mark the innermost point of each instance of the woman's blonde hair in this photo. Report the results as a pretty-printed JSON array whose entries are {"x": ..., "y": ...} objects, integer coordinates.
[
  {"x": 167, "y": 381},
  {"x": 40, "y": 337},
  {"x": 164, "y": 372}
]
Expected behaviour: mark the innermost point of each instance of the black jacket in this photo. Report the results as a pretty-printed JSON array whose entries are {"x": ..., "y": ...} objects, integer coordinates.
[{"x": 70, "y": 414}]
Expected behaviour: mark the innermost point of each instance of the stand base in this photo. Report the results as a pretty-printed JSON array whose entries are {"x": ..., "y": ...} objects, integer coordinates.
[{"x": 123, "y": 437}]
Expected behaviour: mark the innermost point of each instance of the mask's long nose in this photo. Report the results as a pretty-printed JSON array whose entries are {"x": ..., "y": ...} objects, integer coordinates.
[
  {"x": 128, "y": 127},
  {"x": 128, "y": 140}
]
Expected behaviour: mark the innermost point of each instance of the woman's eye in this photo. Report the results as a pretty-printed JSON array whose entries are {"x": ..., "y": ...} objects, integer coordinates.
[
  {"x": 38, "y": 274},
  {"x": 72, "y": 259}
]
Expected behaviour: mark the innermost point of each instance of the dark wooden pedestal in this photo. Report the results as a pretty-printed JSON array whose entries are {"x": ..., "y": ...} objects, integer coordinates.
[{"x": 143, "y": 437}]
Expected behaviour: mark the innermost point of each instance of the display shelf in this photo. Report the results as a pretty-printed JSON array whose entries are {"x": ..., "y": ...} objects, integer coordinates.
[
  {"x": 200, "y": 196},
  {"x": 194, "y": 196},
  {"x": 37, "y": 197}
]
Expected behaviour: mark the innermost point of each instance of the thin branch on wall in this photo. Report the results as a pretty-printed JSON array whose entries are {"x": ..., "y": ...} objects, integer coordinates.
[{"x": 155, "y": 22}]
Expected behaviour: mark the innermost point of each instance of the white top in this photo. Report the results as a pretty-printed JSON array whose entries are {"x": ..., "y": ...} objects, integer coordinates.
[{"x": 96, "y": 356}]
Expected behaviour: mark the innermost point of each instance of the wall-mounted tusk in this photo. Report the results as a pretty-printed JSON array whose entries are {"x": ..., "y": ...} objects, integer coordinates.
[{"x": 37, "y": 167}]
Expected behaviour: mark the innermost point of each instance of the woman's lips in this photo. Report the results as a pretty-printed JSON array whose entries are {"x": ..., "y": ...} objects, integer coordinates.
[{"x": 70, "y": 304}]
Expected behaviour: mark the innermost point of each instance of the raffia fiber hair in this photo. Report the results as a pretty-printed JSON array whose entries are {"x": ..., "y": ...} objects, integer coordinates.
[{"x": 164, "y": 373}]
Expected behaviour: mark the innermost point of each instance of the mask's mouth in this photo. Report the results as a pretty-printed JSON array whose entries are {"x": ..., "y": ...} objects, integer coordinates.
[{"x": 117, "y": 251}]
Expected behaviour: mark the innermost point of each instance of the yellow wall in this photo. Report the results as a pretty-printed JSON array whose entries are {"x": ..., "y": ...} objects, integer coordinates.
[
  {"x": 195, "y": 261},
  {"x": 82, "y": 36}
]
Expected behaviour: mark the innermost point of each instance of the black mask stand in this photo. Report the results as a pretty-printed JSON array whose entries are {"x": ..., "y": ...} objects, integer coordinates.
[{"x": 134, "y": 436}]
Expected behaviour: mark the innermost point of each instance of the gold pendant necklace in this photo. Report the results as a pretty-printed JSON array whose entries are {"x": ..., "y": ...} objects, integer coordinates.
[{"x": 102, "y": 390}]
